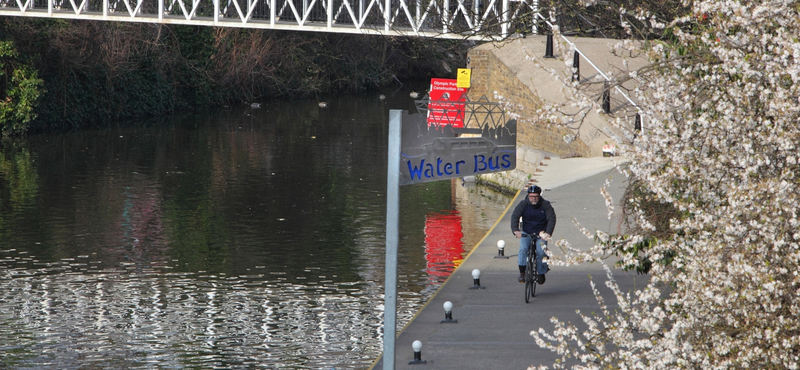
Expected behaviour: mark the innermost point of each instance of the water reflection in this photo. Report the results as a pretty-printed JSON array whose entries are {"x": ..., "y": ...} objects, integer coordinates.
[
  {"x": 444, "y": 248},
  {"x": 244, "y": 239},
  {"x": 64, "y": 315}
]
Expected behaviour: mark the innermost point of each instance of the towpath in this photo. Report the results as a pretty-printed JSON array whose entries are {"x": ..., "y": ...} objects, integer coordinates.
[{"x": 494, "y": 323}]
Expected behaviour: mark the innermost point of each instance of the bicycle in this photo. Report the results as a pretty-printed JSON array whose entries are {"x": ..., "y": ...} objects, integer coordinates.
[{"x": 531, "y": 273}]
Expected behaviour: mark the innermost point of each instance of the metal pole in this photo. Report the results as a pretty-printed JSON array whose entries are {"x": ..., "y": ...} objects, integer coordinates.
[
  {"x": 418, "y": 6},
  {"x": 606, "y": 98},
  {"x": 445, "y": 16},
  {"x": 392, "y": 231},
  {"x": 216, "y": 11},
  {"x": 576, "y": 66},
  {"x": 477, "y": 14},
  {"x": 272, "y": 4},
  {"x": 387, "y": 14},
  {"x": 506, "y": 20},
  {"x": 548, "y": 48},
  {"x": 330, "y": 14}
]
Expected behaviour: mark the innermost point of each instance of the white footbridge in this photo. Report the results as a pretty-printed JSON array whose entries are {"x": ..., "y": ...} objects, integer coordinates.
[{"x": 457, "y": 19}]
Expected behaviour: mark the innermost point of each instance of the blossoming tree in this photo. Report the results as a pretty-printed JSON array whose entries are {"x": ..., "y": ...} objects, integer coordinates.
[{"x": 721, "y": 101}]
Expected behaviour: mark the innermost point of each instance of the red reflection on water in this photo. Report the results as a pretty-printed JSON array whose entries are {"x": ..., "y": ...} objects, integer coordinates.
[{"x": 443, "y": 246}]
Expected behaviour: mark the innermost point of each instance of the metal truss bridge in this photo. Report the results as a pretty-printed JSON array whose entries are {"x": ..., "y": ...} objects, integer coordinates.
[{"x": 461, "y": 19}]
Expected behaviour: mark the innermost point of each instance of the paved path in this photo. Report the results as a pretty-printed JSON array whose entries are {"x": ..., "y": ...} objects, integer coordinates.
[{"x": 494, "y": 323}]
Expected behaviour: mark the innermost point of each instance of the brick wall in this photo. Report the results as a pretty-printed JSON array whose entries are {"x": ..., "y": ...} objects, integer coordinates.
[{"x": 489, "y": 74}]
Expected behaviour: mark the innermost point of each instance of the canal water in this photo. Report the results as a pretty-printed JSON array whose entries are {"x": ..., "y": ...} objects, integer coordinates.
[{"x": 244, "y": 238}]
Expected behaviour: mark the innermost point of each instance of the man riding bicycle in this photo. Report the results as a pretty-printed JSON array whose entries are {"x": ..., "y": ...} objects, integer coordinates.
[{"x": 538, "y": 218}]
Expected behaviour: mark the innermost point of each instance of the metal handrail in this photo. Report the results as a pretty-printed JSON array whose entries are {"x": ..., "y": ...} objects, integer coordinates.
[{"x": 639, "y": 110}]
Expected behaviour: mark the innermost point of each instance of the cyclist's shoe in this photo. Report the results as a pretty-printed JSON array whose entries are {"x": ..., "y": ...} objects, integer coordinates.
[
  {"x": 541, "y": 279},
  {"x": 521, "y": 278}
]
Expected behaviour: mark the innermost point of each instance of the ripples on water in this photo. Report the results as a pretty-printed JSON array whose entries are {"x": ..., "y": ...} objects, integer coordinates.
[
  {"x": 74, "y": 313},
  {"x": 248, "y": 239}
]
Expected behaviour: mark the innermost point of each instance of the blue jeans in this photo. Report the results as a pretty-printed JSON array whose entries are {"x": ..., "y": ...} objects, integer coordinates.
[{"x": 522, "y": 257}]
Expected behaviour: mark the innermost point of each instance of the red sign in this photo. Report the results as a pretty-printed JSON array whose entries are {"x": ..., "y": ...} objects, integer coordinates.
[{"x": 447, "y": 103}]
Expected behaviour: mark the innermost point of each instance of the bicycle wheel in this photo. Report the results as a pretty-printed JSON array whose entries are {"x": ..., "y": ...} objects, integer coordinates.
[
  {"x": 530, "y": 280},
  {"x": 528, "y": 284},
  {"x": 534, "y": 279}
]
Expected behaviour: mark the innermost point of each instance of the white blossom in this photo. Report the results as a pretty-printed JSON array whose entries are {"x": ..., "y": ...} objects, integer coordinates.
[{"x": 721, "y": 146}]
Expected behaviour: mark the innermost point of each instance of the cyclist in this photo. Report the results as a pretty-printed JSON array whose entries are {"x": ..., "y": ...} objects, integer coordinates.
[{"x": 538, "y": 218}]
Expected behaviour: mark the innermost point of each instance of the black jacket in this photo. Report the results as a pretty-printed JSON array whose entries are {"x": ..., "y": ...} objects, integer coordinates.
[{"x": 535, "y": 218}]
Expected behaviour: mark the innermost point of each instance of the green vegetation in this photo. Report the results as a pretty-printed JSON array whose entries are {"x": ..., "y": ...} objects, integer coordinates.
[
  {"x": 21, "y": 88},
  {"x": 59, "y": 74}
]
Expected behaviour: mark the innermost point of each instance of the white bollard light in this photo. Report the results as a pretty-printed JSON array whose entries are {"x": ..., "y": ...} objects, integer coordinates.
[
  {"x": 448, "y": 313},
  {"x": 501, "y": 246},
  {"x": 417, "y": 347},
  {"x": 476, "y": 279}
]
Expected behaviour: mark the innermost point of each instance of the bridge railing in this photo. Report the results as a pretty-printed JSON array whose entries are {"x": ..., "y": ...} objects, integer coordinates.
[{"x": 470, "y": 19}]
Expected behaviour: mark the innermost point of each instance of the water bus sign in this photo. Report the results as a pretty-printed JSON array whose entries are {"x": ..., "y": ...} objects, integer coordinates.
[{"x": 439, "y": 152}]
